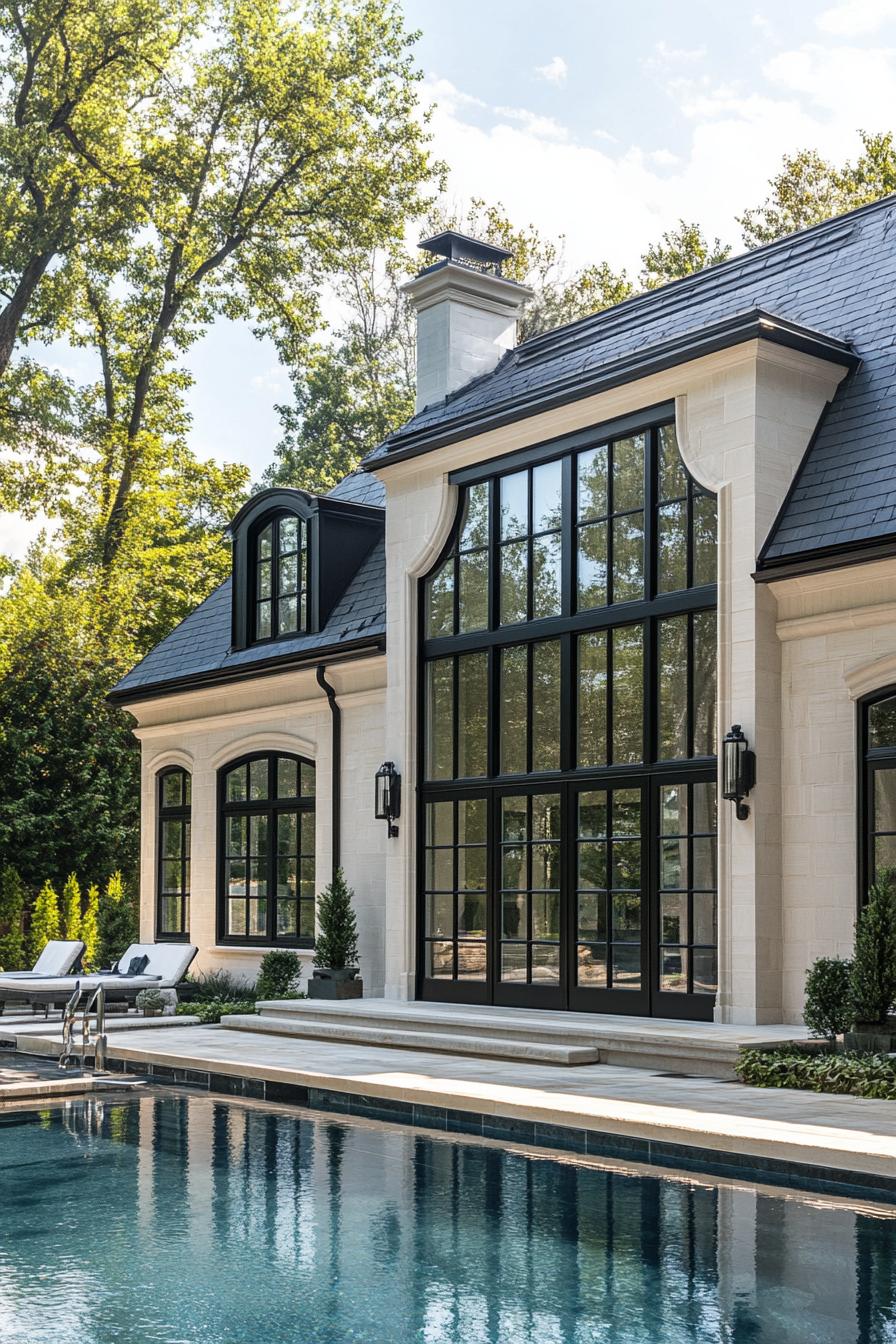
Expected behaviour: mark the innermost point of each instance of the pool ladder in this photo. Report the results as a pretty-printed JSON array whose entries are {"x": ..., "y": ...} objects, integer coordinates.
[{"x": 69, "y": 1017}]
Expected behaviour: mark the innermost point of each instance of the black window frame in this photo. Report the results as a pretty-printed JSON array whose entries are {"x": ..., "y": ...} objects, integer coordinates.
[
  {"x": 270, "y": 807},
  {"x": 645, "y": 612},
  {"x": 181, "y": 812},
  {"x": 869, "y": 760},
  {"x": 302, "y": 593}
]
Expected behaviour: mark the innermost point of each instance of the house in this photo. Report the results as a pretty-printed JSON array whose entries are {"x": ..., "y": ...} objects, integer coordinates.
[{"x": 548, "y": 599}]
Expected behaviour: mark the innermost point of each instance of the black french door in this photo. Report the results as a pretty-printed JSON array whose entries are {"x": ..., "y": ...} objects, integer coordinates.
[{"x": 592, "y": 896}]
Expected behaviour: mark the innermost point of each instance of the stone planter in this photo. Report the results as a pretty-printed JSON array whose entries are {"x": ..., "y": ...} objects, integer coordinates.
[{"x": 329, "y": 984}]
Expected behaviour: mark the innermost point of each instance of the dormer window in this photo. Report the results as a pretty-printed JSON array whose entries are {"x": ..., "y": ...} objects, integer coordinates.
[{"x": 281, "y": 577}]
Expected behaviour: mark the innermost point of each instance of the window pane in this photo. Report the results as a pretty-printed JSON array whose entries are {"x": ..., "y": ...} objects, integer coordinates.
[
  {"x": 592, "y": 566},
  {"x": 474, "y": 529},
  {"x": 514, "y": 492},
  {"x": 674, "y": 970},
  {"x": 440, "y": 719},
  {"x": 704, "y": 516},
  {"x": 172, "y": 874},
  {"x": 673, "y": 688},
  {"x": 703, "y": 961},
  {"x": 592, "y": 966},
  {"x": 592, "y": 483},
  {"x": 673, "y": 480},
  {"x": 885, "y": 800},
  {"x": 287, "y": 919},
  {"x": 626, "y": 812},
  {"x": 471, "y": 960},
  {"x": 172, "y": 789},
  {"x": 628, "y": 557},
  {"x": 258, "y": 916},
  {"x": 514, "y": 820},
  {"x": 672, "y": 543},
  {"x": 674, "y": 808},
  {"x": 289, "y": 535},
  {"x": 440, "y": 601},
  {"x": 471, "y": 868},
  {"x": 471, "y": 914},
  {"x": 288, "y": 573},
  {"x": 593, "y": 815},
  {"x": 547, "y": 484},
  {"x": 628, "y": 703},
  {"x": 235, "y": 785},
  {"x": 440, "y": 914},
  {"x": 514, "y": 582},
  {"x": 439, "y": 823},
  {"x": 288, "y": 878},
  {"x": 592, "y": 867},
  {"x": 236, "y": 918},
  {"x": 287, "y": 615},
  {"x": 626, "y": 966},
  {"x": 473, "y": 597},
  {"x": 287, "y": 833},
  {"x": 546, "y": 816},
  {"x": 472, "y": 713},
  {"x": 265, "y": 542},
  {"x": 546, "y": 576},
  {"x": 628, "y": 473},
  {"x": 306, "y": 832},
  {"x": 263, "y": 620},
  {"x": 258, "y": 779},
  {"x": 703, "y": 808},
  {"x": 188, "y": 788},
  {"x": 258, "y": 836},
  {"x": 173, "y": 836},
  {"x": 471, "y": 821},
  {"x": 287, "y": 777},
  {"x": 705, "y": 917},
  {"x": 514, "y": 709},
  {"x": 704, "y": 675},
  {"x": 307, "y": 777},
  {"x": 235, "y": 877},
  {"x": 170, "y": 921},
  {"x": 546, "y": 705},
  {"x": 882, "y": 723},
  {"x": 592, "y": 700},
  {"x": 673, "y": 917},
  {"x": 263, "y": 576},
  {"x": 236, "y": 835}
]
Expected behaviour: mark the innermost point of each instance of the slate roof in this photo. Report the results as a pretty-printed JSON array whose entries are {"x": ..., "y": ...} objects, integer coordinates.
[
  {"x": 838, "y": 278},
  {"x": 359, "y": 487},
  {"x": 199, "y": 646}
]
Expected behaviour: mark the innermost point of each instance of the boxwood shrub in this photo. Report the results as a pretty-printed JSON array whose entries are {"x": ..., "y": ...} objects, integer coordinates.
[{"x": 820, "y": 1071}]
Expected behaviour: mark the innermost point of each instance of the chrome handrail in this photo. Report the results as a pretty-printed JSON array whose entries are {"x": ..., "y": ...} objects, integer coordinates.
[
  {"x": 68, "y": 1025},
  {"x": 98, "y": 997}
]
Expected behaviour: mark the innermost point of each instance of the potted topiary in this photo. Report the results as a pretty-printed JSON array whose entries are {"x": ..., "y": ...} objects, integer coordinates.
[
  {"x": 151, "y": 1002},
  {"x": 336, "y": 950},
  {"x": 873, "y": 975}
]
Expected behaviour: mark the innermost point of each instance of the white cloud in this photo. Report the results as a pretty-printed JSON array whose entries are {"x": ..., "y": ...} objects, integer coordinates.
[
  {"x": 554, "y": 72},
  {"x": 600, "y": 134},
  {"x": 857, "y": 17},
  {"x": 544, "y": 128},
  {"x": 663, "y": 56}
]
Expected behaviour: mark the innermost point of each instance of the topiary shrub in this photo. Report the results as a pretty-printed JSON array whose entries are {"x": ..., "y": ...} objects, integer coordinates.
[
  {"x": 90, "y": 929},
  {"x": 118, "y": 921},
  {"x": 337, "y": 940},
  {"x": 210, "y": 1011},
  {"x": 44, "y": 926},
  {"x": 873, "y": 978},
  {"x": 829, "y": 1008},
  {"x": 278, "y": 975},
  {"x": 71, "y": 909},
  {"x": 12, "y": 911}
]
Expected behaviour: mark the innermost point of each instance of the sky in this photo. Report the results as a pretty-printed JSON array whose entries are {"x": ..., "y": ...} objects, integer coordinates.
[{"x": 602, "y": 121}]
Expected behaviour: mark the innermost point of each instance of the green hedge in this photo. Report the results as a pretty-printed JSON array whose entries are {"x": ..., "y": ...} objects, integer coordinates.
[
  {"x": 820, "y": 1071},
  {"x": 212, "y": 1010}
]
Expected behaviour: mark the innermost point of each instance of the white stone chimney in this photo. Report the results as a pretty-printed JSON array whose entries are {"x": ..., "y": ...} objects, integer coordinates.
[{"x": 466, "y": 314}]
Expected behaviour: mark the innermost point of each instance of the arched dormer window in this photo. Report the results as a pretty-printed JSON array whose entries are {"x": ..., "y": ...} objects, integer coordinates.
[
  {"x": 294, "y": 555},
  {"x": 280, "y": 560}
]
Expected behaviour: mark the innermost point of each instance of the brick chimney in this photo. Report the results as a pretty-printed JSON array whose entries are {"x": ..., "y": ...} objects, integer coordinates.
[{"x": 466, "y": 313}]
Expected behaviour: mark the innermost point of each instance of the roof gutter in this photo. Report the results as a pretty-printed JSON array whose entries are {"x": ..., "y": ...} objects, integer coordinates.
[
  {"x": 350, "y": 651},
  {"x": 831, "y": 557},
  {"x": 335, "y": 766}
]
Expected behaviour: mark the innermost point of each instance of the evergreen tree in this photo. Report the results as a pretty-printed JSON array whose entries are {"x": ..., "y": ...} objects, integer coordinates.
[
  {"x": 71, "y": 908},
  {"x": 12, "y": 909},
  {"x": 873, "y": 978},
  {"x": 337, "y": 940},
  {"x": 90, "y": 929},
  {"x": 45, "y": 924},
  {"x": 118, "y": 921}
]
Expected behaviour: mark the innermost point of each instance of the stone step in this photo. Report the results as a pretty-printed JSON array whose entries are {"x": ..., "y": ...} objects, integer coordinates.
[{"x": 406, "y": 1038}]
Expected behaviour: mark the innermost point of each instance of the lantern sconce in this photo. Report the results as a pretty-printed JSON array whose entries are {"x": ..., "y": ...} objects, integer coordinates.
[
  {"x": 388, "y": 796},
  {"x": 738, "y": 770}
]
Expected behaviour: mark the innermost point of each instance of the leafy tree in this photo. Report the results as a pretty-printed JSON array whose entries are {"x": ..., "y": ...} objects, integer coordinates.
[
  {"x": 71, "y": 908},
  {"x": 119, "y": 920},
  {"x": 76, "y": 76},
  {"x": 681, "y": 252},
  {"x": 829, "y": 1007},
  {"x": 45, "y": 925},
  {"x": 337, "y": 939},
  {"x": 90, "y": 929},
  {"x": 12, "y": 910},
  {"x": 873, "y": 976}
]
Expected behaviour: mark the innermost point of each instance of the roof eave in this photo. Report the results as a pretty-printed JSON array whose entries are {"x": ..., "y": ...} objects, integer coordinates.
[{"x": 847, "y": 553}]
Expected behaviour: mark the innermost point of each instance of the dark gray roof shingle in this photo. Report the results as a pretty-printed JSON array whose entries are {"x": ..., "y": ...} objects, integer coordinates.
[{"x": 838, "y": 278}]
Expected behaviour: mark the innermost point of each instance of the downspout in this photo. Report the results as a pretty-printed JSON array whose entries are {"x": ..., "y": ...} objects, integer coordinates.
[{"x": 336, "y": 784}]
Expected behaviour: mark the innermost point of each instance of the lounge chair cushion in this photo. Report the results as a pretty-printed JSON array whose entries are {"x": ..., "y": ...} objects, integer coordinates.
[
  {"x": 57, "y": 958},
  {"x": 167, "y": 963}
]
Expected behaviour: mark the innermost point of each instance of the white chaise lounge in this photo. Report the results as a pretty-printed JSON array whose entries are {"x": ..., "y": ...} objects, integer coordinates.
[
  {"x": 166, "y": 965},
  {"x": 57, "y": 958}
]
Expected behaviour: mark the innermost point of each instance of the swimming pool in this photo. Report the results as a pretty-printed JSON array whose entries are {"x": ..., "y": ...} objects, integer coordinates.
[{"x": 187, "y": 1219}]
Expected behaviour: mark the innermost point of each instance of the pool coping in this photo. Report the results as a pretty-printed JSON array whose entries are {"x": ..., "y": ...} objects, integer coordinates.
[{"x": 818, "y": 1178}]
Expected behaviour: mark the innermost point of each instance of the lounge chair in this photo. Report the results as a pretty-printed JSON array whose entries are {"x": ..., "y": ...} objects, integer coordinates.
[
  {"x": 165, "y": 966},
  {"x": 57, "y": 958}
]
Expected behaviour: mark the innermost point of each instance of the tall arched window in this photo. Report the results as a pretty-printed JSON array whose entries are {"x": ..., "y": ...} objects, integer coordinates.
[
  {"x": 568, "y": 828},
  {"x": 173, "y": 854},
  {"x": 266, "y": 851},
  {"x": 280, "y": 577},
  {"x": 877, "y": 728}
]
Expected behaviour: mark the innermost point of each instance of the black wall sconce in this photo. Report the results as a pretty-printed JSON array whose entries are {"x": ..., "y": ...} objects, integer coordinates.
[
  {"x": 388, "y": 796},
  {"x": 738, "y": 770}
]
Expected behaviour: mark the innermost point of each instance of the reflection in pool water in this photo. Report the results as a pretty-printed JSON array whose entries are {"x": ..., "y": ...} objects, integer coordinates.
[{"x": 175, "y": 1219}]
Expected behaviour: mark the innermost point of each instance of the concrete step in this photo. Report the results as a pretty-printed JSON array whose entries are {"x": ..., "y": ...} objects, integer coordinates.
[{"x": 405, "y": 1038}]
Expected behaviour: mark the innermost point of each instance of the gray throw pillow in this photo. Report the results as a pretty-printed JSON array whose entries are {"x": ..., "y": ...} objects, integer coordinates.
[{"x": 136, "y": 966}]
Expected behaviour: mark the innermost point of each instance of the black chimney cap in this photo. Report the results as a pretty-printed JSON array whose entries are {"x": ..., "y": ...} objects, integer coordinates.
[{"x": 458, "y": 247}]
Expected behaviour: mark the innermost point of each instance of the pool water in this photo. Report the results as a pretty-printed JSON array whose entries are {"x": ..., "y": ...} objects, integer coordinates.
[{"x": 186, "y": 1219}]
